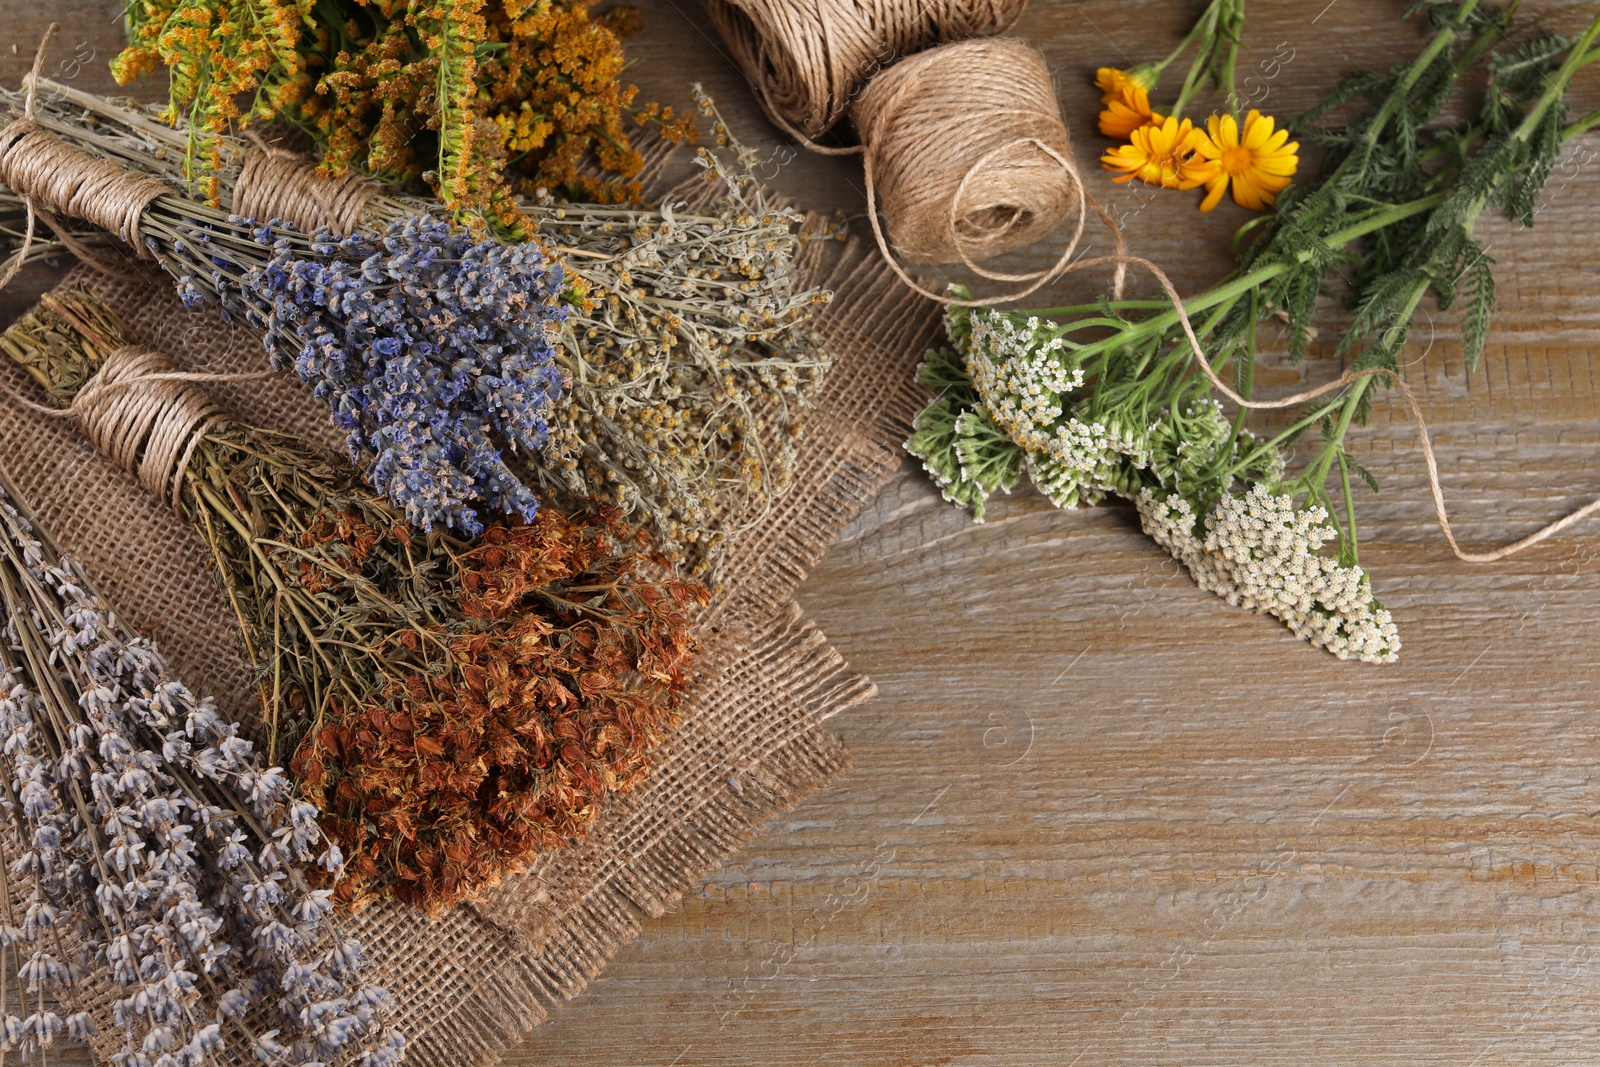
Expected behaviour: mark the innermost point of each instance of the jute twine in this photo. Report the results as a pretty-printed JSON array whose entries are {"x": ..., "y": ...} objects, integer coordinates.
[
  {"x": 52, "y": 176},
  {"x": 965, "y": 146},
  {"x": 807, "y": 59},
  {"x": 58, "y": 178},
  {"x": 143, "y": 413},
  {"x": 274, "y": 184},
  {"x": 964, "y": 141}
]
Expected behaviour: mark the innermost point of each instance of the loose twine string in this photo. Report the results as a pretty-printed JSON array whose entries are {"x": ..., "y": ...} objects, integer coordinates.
[{"x": 145, "y": 414}]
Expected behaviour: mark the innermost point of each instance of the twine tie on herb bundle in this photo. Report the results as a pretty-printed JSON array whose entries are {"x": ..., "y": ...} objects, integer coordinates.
[
  {"x": 52, "y": 176},
  {"x": 145, "y": 414},
  {"x": 275, "y": 184},
  {"x": 150, "y": 425},
  {"x": 58, "y": 178},
  {"x": 808, "y": 59}
]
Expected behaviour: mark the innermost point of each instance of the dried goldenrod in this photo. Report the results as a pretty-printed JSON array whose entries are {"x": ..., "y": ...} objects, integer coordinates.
[{"x": 476, "y": 99}]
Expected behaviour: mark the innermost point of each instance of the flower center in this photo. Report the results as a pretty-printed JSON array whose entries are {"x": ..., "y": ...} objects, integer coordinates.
[{"x": 1237, "y": 160}]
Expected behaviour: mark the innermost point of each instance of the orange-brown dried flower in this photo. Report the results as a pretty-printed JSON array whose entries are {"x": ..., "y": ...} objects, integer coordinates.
[{"x": 569, "y": 669}]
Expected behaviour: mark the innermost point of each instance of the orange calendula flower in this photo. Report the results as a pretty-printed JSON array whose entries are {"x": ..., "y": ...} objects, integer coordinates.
[
  {"x": 1128, "y": 112},
  {"x": 1257, "y": 163},
  {"x": 1168, "y": 155},
  {"x": 1113, "y": 83}
]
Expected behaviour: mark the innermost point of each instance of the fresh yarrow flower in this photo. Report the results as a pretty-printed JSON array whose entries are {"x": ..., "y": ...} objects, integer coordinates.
[
  {"x": 434, "y": 349},
  {"x": 143, "y": 824},
  {"x": 1021, "y": 368},
  {"x": 1261, "y": 553},
  {"x": 1015, "y": 398}
]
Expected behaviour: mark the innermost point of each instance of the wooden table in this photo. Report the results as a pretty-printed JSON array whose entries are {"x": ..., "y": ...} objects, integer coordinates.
[{"x": 1099, "y": 817}]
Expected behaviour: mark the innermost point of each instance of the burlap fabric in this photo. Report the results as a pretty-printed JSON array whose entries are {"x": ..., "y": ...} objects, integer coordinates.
[{"x": 752, "y": 741}]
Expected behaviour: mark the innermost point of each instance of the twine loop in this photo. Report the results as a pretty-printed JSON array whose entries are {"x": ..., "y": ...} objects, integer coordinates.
[
  {"x": 146, "y": 416},
  {"x": 807, "y": 59},
  {"x": 274, "y": 184}
]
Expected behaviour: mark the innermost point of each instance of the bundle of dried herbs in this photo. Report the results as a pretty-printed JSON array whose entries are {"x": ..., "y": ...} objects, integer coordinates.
[
  {"x": 433, "y": 348},
  {"x": 149, "y": 847},
  {"x": 451, "y": 707},
  {"x": 686, "y": 349},
  {"x": 476, "y": 99},
  {"x": 1105, "y": 398}
]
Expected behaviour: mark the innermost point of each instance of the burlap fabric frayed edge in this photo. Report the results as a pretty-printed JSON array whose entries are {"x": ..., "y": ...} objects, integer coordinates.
[{"x": 752, "y": 743}]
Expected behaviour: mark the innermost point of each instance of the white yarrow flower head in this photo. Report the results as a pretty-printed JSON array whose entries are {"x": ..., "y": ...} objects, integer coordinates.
[
  {"x": 1261, "y": 553},
  {"x": 1023, "y": 371}
]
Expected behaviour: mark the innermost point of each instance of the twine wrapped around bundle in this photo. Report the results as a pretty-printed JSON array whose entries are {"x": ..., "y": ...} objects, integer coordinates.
[
  {"x": 274, "y": 184},
  {"x": 142, "y": 413},
  {"x": 966, "y": 147},
  {"x": 60, "y": 179},
  {"x": 809, "y": 58}
]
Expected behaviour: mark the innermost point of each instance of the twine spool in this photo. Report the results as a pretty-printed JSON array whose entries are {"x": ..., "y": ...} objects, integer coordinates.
[
  {"x": 809, "y": 58},
  {"x": 274, "y": 184},
  {"x": 965, "y": 145},
  {"x": 139, "y": 411},
  {"x": 56, "y": 177}
]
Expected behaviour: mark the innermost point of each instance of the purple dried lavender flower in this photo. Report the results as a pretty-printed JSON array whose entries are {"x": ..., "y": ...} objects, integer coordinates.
[
  {"x": 180, "y": 859},
  {"x": 432, "y": 348}
]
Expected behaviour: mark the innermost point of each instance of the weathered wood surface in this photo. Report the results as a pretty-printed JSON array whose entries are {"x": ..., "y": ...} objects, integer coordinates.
[{"x": 1097, "y": 816}]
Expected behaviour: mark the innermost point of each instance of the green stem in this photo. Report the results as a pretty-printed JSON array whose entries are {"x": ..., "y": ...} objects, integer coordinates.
[
  {"x": 1556, "y": 87},
  {"x": 1317, "y": 473},
  {"x": 1183, "y": 46},
  {"x": 1582, "y": 126},
  {"x": 1243, "y": 284},
  {"x": 1272, "y": 445},
  {"x": 1350, "y": 542}
]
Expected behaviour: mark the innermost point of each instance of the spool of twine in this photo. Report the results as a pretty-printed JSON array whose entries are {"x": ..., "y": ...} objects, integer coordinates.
[
  {"x": 55, "y": 177},
  {"x": 809, "y": 58},
  {"x": 143, "y": 414},
  {"x": 965, "y": 146},
  {"x": 274, "y": 184}
]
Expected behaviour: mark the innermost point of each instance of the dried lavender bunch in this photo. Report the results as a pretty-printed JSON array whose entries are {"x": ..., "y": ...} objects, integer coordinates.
[
  {"x": 452, "y": 707},
  {"x": 150, "y": 845},
  {"x": 687, "y": 351},
  {"x": 432, "y": 347}
]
